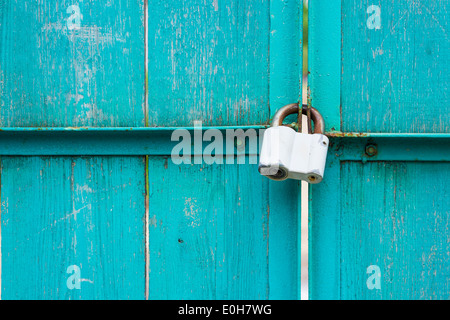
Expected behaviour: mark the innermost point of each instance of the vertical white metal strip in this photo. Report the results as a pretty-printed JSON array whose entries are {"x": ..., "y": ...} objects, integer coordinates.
[{"x": 146, "y": 220}]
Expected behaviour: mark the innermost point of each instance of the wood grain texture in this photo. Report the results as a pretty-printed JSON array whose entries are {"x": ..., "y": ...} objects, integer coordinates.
[
  {"x": 324, "y": 231},
  {"x": 211, "y": 234},
  {"x": 286, "y": 54},
  {"x": 208, "y": 61},
  {"x": 57, "y": 212},
  {"x": 54, "y": 73},
  {"x": 324, "y": 60},
  {"x": 285, "y": 85},
  {"x": 389, "y": 210},
  {"x": 284, "y": 239},
  {"x": 397, "y": 217},
  {"x": 395, "y": 79},
  {"x": 215, "y": 231}
]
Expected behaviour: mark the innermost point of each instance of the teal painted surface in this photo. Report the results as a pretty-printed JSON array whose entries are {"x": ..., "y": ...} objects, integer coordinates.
[
  {"x": 286, "y": 53},
  {"x": 395, "y": 79},
  {"x": 284, "y": 240},
  {"x": 58, "y": 212},
  {"x": 390, "y": 210},
  {"x": 390, "y": 214},
  {"x": 227, "y": 63},
  {"x": 215, "y": 232},
  {"x": 157, "y": 141},
  {"x": 242, "y": 63},
  {"x": 395, "y": 149},
  {"x": 54, "y": 73},
  {"x": 400, "y": 222},
  {"x": 324, "y": 60},
  {"x": 208, "y": 61},
  {"x": 324, "y": 232},
  {"x": 285, "y": 86},
  {"x": 111, "y": 141},
  {"x": 358, "y": 194},
  {"x": 324, "y": 94}
]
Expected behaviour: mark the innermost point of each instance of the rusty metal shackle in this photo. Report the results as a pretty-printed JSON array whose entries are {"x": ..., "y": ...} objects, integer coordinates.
[{"x": 319, "y": 123}]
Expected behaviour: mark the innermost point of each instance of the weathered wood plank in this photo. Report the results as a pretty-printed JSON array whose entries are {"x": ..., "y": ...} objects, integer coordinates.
[
  {"x": 208, "y": 61},
  {"x": 59, "y": 212},
  {"x": 286, "y": 54},
  {"x": 208, "y": 238},
  {"x": 324, "y": 60},
  {"x": 395, "y": 74},
  {"x": 284, "y": 239},
  {"x": 209, "y": 233},
  {"x": 284, "y": 197},
  {"x": 395, "y": 217},
  {"x": 324, "y": 230},
  {"x": 72, "y": 64},
  {"x": 390, "y": 210}
]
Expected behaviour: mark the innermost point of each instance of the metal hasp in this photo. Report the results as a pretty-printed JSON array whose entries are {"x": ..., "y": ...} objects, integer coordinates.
[{"x": 287, "y": 154}]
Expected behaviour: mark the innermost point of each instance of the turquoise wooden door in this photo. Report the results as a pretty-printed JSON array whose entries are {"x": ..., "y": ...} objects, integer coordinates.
[
  {"x": 92, "y": 206},
  {"x": 380, "y": 220}
]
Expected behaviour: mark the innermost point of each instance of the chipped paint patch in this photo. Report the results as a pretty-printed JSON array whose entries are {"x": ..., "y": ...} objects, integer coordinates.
[
  {"x": 337, "y": 134},
  {"x": 153, "y": 221},
  {"x": 191, "y": 210}
]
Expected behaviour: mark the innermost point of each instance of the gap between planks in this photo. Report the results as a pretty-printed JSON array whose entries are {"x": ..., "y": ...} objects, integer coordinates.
[{"x": 147, "y": 187}]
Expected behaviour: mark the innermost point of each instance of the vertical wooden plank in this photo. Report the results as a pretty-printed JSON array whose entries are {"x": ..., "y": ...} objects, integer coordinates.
[
  {"x": 285, "y": 88},
  {"x": 209, "y": 231},
  {"x": 324, "y": 60},
  {"x": 284, "y": 247},
  {"x": 183, "y": 220},
  {"x": 395, "y": 72},
  {"x": 286, "y": 54},
  {"x": 324, "y": 244},
  {"x": 246, "y": 227},
  {"x": 208, "y": 61},
  {"x": 391, "y": 221},
  {"x": 74, "y": 64},
  {"x": 377, "y": 213},
  {"x": 62, "y": 212}
]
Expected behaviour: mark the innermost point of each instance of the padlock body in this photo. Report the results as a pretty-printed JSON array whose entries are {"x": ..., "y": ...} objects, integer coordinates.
[{"x": 287, "y": 154}]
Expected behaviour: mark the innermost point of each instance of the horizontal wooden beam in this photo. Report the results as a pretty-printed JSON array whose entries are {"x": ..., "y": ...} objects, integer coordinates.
[{"x": 158, "y": 141}]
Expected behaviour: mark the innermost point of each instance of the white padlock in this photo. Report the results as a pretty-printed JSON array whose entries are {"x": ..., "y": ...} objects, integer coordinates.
[{"x": 287, "y": 154}]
